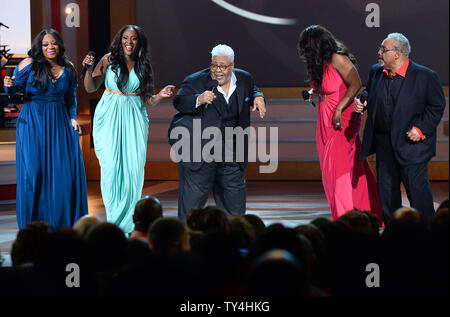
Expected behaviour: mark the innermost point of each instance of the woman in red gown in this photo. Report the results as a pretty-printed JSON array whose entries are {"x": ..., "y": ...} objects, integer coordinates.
[{"x": 348, "y": 182}]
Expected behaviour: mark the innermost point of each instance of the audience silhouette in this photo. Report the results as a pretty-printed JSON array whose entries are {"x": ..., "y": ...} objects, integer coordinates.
[{"x": 214, "y": 254}]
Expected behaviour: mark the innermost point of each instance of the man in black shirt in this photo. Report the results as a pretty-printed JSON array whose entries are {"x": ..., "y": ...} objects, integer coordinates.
[{"x": 405, "y": 105}]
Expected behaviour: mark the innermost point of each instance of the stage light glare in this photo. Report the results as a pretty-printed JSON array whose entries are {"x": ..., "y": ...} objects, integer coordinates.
[{"x": 69, "y": 10}]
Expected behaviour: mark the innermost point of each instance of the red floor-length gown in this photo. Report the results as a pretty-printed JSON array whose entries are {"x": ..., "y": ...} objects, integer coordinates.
[{"x": 348, "y": 182}]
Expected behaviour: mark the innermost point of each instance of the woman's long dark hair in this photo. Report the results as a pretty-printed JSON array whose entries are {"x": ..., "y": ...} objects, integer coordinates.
[
  {"x": 142, "y": 66},
  {"x": 315, "y": 46},
  {"x": 41, "y": 66}
]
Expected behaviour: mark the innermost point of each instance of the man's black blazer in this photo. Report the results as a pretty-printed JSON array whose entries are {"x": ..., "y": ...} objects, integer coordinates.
[
  {"x": 420, "y": 103},
  {"x": 194, "y": 85}
]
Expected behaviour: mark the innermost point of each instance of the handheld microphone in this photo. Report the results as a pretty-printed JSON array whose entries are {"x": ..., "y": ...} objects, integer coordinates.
[
  {"x": 214, "y": 83},
  {"x": 362, "y": 98},
  {"x": 307, "y": 96},
  {"x": 10, "y": 98},
  {"x": 9, "y": 71},
  {"x": 85, "y": 68}
]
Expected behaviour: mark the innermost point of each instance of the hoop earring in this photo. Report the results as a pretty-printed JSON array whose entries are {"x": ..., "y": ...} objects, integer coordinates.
[{"x": 140, "y": 52}]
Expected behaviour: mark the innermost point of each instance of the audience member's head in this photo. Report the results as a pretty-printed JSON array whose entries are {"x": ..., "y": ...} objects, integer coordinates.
[
  {"x": 225, "y": 263},
  {"x": 276, "y": 236},
  {"x": 29, "y": 242},
  {"x": 216, "y": 220},
  {"x": 439, "y": 225},
  {"x": 242, "y": 232},
  {"x": 106, "y": 243},
  {"x": 256, "y": 222},
  {"x": 439, "y": 222},
  {"x": 358, "y": 222},
  {"x": 84, "y": 223},
  {"x": 406, "y": 225},
  {"x": 314, "y": 235},
  {"x": 277, "y": 272},
  {"x": 408, "y": 215},
  {"x": 64, "y": 252},
  {"x": 168, "y": 237},
  {"x": 209, "y": 219},
  {"x": 444, "y": 204},
  {"x": 138, "y": 256},
  {"x": 194, "y": 236},
  {"x": 146, "y": 211},
  {"x": 321, "y": 223},
  {"x": 375, "y": 224},
  {"x": 319, "y": 257},
  {"x": 195, "y": 219},
  {"x": 335, "y": 232}
]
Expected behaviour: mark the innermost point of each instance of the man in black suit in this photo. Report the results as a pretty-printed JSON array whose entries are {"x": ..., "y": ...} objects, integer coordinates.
[
  {"x": 211, "y": 102},
  {"x": 405, "y": 105}
]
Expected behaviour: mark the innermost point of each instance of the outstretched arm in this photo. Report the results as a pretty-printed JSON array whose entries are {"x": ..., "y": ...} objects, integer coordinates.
[{"x": 166, "y": 92}]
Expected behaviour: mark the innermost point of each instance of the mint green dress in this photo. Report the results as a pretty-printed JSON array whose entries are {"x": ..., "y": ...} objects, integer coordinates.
[{"x": 120, "y": 133}]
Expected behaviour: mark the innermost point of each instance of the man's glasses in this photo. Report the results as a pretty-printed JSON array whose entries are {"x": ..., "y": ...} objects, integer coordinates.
[
  {"x": 220, "y": 67},
  {"x": 384, "y": 49}
]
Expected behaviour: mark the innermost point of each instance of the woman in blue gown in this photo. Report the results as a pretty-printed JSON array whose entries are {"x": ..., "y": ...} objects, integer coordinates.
[{"x": 51, "y": 180}]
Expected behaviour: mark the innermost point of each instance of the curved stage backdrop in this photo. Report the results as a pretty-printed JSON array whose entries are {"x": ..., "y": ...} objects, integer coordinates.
[{"x": 264, "y": 34}]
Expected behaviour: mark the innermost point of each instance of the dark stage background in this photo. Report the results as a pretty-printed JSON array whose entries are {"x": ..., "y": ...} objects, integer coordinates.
[{"x": 182, "y": 33}]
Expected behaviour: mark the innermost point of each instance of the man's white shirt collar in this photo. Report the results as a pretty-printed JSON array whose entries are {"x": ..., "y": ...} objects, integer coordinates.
[{"x": 232, "y": 88}]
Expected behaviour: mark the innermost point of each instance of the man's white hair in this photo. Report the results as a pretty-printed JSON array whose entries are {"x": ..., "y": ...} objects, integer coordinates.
[
  {"x": 223, "y": 50},
  {"x": 401, "y": 43}
]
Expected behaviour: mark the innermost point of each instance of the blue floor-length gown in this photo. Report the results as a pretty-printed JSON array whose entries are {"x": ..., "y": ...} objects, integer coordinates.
[{"x": 51, "y": 180}]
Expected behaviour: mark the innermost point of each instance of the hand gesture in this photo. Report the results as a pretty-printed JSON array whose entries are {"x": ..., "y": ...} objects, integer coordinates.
[
  {"x": 206, "y": 97},
  {"x": 88, "y": 60},
  {"x": 337, "y": 119},
  {"x": 9, "y": 81},
  {"x": 167, "y": 91},
  {"x": 75, "y": 125},
  {"x": 413, "y": 135},
  {"x": 259, "y": 104},
  {"x": 358, "y": 106}
]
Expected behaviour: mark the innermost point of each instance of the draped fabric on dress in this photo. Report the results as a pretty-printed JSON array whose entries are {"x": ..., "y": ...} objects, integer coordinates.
[
  {"x": 120, "y": 134},
  {"x": 51, "y": 180},
  {"x": 348, "y": 182}
]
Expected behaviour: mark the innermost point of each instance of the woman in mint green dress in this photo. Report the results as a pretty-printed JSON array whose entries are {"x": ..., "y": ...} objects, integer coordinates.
[{"x": 120, "y": 127}]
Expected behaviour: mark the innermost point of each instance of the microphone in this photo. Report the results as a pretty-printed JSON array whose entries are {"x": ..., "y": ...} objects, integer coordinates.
[
  {"x": 214, "y": 83},
  {"x": 1, "y": 24},
  {"x": 11, "y": 99},
  {"x": 362, "y": 98},
  {"x": 307, "y": 96},
  {"x": 85, "y": 68},
  {"x": 9, "y": 71}
]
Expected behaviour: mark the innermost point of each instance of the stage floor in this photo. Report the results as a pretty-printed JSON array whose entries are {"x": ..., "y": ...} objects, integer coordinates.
[{"x": 289, "y": 203}]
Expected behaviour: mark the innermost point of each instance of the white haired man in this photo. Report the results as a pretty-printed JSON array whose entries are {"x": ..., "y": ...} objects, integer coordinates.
[
  {"x": 405, "y": 105},
  {"x": 214, "y": 99}
]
